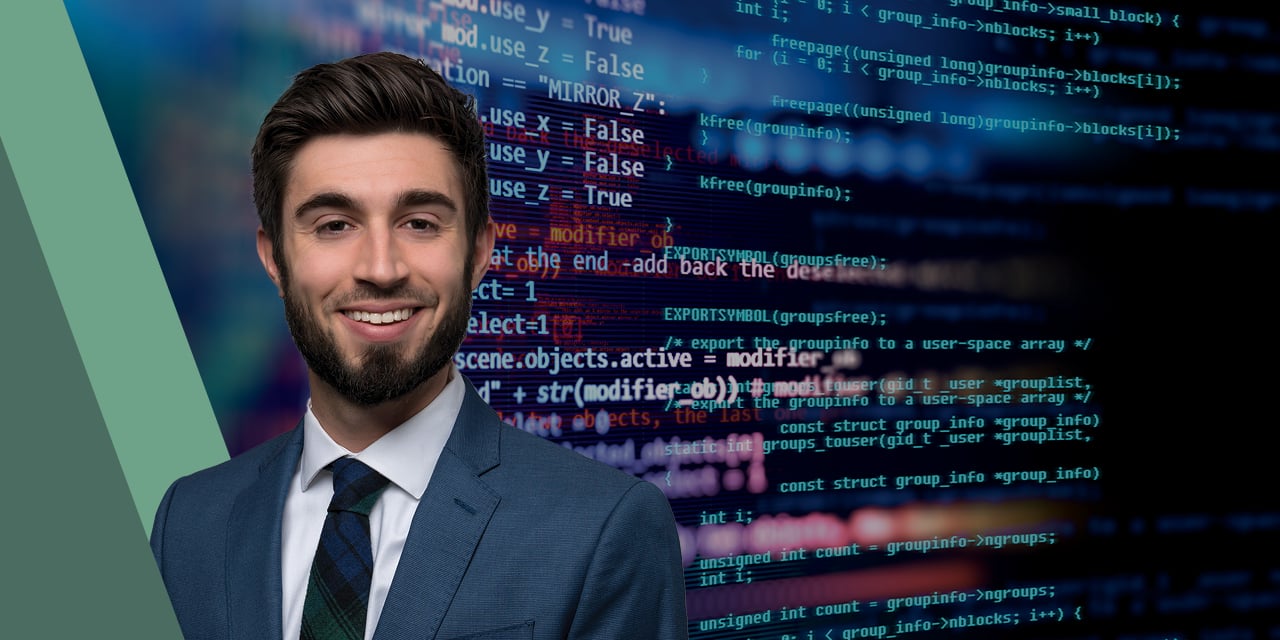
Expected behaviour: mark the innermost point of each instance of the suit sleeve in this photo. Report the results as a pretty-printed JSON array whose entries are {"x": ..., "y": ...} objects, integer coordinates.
[
  {"x": 635, "y": 582},
  {"x": 157, "y": 529}
]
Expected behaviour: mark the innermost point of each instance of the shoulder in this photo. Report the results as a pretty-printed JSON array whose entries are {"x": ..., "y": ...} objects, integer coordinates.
[
  {"x": 542, "y": 481},
  {"x": 532, "y": 473},
  {"x": 200, "y": 504},
  {"x": 546, "y": 468},
  {"x": 547, "y": 458},
  {"x": 523, "y": 463},
  {"x": 225, "y": 480}
]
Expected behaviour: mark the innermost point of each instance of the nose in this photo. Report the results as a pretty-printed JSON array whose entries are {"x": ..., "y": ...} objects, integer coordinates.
[{"x": 381, "y": 260}]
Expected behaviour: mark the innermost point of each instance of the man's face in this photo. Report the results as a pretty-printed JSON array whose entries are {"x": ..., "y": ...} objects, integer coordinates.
[{"x": 380, "y": 271}]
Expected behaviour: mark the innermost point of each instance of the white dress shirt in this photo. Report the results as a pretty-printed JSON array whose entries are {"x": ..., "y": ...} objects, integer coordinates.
[{"x": 406, "y": 456}]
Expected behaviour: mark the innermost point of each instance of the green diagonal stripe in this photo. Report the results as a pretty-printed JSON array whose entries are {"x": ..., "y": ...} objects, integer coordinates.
[
  {"x": 99, "y": 256},
  {"x": 76, "y": 560}
]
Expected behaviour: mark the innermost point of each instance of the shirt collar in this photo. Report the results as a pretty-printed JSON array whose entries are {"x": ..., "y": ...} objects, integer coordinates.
[{"x": 406, "y": 455}]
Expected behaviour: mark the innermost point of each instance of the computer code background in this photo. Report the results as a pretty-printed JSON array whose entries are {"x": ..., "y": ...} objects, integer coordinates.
[{"x": 932, "y": 318}]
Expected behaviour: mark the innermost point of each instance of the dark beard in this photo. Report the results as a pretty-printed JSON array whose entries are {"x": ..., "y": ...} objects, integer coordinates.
[{"x": 383, "y": 374}]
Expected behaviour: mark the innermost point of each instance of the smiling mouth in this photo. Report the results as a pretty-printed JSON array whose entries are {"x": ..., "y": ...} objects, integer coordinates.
[{"x": 387, "y": 317}]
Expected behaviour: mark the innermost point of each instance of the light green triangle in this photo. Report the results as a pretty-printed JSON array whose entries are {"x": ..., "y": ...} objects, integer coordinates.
[
  {"x": 76, "y": 557},
  {"x": 101, "y": 261}
]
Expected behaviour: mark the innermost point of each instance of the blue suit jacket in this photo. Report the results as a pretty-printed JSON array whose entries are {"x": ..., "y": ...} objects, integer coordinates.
[{"x": 515, "y": 537}]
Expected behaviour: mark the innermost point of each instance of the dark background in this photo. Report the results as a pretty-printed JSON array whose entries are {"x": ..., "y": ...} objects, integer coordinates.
[{"x": 988, "y": 234}]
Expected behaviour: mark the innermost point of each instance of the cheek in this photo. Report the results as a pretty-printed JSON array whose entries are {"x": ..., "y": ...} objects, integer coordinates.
[
  {"x": 314, "y": 278},
  {"x": 445, "y": 269}
]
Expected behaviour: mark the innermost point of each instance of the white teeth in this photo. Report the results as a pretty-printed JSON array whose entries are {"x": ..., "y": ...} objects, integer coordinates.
[{"x": 380, "y": 318}]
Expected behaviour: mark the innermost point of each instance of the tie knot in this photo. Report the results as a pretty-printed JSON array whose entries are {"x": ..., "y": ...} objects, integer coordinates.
[{"x": 356, "y": 487}]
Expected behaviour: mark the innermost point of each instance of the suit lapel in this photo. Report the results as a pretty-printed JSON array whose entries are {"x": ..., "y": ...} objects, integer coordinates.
[
  {"x": 447, "y": 526},
  {"x": 253, "y": 546}
]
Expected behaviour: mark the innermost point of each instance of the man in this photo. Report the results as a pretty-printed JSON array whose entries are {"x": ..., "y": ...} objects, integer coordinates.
[{"x": 401, "y": 507}]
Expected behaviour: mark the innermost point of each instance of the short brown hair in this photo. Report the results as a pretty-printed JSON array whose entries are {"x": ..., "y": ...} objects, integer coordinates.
[{"x": 368, "y": 94}]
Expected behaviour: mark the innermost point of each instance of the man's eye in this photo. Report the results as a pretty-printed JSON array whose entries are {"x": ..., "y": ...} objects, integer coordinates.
[
  {"x": 419, "y": 224},
  {"x": 333, "y": 226}
]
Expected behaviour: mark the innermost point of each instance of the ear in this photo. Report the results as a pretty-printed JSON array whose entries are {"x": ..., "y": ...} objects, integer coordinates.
[
  {"x": 267, "y": 255},
  {"x": 483, "y": 253}
]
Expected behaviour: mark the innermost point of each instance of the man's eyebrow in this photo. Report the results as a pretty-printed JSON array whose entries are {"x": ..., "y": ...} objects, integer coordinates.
[
  {"x": 325, "y": 200},
  {"x": 410, "y": 198},
  {"x": 424, "y": 197}
]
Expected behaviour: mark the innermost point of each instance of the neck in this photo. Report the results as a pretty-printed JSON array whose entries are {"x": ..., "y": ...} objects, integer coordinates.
[{"x": 356, "y": 426}]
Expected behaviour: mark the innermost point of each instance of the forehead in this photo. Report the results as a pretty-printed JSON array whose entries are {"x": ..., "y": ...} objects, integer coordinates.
[{"x": 372, "y": 169}]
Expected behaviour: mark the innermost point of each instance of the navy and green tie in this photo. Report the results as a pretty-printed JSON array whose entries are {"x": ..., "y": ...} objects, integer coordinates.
[{"x": 338, "y": 589}]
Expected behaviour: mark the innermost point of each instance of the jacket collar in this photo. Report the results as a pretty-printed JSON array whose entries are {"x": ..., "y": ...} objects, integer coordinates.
[
  {"x": 447, "y": 527},
  {"x": 253, "y": 545}
]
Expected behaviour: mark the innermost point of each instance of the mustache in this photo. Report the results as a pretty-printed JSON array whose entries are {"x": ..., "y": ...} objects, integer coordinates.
[{"x": 371, "y": 293}]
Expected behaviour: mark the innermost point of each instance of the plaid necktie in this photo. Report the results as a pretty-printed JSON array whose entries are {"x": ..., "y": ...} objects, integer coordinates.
[{"x": 338, "y": 589}]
